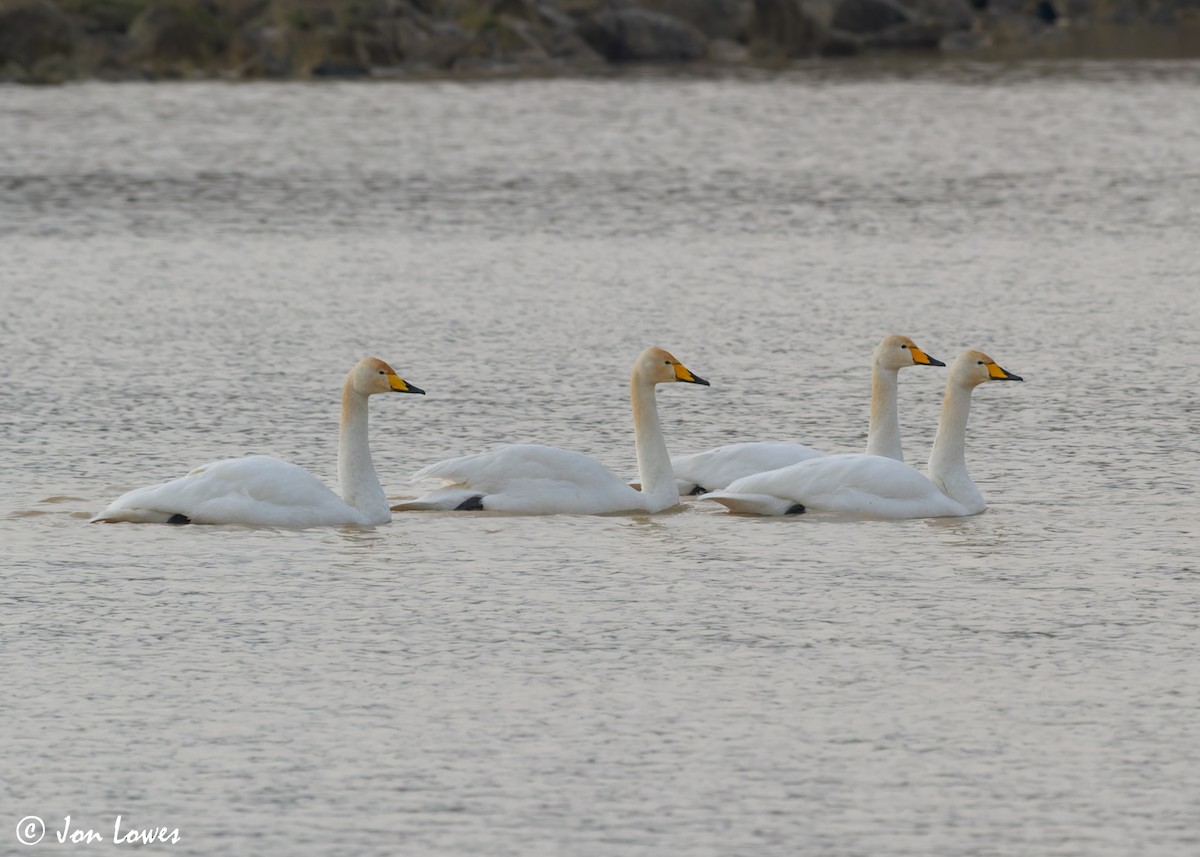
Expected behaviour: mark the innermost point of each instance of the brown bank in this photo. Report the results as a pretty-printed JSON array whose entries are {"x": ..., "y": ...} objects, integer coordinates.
[{"x": 42, "y": 41}]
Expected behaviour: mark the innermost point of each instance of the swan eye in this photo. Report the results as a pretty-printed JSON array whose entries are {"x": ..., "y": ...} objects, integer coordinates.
[
  {"x": 980, "y": 362},
  {"x": 904, "y": 346},
  {"x": 666, "y": 362},
  {"x": 381, "y": 372}
]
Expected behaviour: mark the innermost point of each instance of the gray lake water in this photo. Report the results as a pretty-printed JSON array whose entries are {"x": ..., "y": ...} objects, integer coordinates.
[{"x": 188, "y": 271}]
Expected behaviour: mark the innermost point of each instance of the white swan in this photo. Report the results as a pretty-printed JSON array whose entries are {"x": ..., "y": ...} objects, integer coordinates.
[
  {"x": 877, "y": 487},
  {"x": 717, "y": 468},
  {"x": 262, "y": 491},
  {"x": 543, "y": 480}
]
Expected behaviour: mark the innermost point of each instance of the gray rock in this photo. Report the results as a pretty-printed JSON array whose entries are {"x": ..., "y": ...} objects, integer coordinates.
[
  {"x": 954, "y": 15},
  {"x": 34, "y": 30},
  {"x": 340, "y": 67},
  {"x": 377, "y": 47},
  {"x": 526, "y": 10},
  {"x": 554, "y": 17},
  {"x": 504, "y": 43},
  {"x": 839, "y": 44},
  {"x": 633, "y": 34},
  {"x": 869, "y": 16},
  {"x": 266, "y": 51},
  {"x": 1006, "y": 7},
  {"x": 169, "y": 35},
  {"x": 558, "y": 34},
  {"x": 906, "y": 24},
  {"x": 792, "y": 28},
  {"x": 429, "y": 44},
  {"x": 964, "y": 42},
  {"x": 104, "y": 55},
  {"x": 105, "y": 16},
  {"x": 571, "y": 49},
  {"x": 914, "y": 36},
  {"x": 716, "y": 19},
  {"x": 523, "y": 40},
  {"x": 728, "y": 52}
]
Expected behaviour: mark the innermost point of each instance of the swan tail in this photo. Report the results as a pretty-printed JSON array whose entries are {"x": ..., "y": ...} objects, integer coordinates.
[
  {"x": 448, "y": 499},
  {"x": 754, "y": 504}
]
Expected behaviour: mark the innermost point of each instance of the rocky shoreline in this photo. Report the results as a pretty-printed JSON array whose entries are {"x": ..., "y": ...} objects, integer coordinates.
[{"x": 43, "y": 41}]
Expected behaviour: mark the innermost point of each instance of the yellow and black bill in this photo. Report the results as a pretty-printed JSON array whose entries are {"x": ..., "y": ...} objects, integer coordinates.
[
  {"x": 399, "y": 385},
  {"x": 682, "y": 373},
  {"x": 996, "y": 372}
]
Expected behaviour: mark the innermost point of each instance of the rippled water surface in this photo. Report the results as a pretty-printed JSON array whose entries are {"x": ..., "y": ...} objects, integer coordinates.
[{"x": 188, "y": 271}]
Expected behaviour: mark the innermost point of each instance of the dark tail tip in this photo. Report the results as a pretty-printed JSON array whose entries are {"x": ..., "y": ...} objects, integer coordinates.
[
  {"x": 471, "y": 504},
  {"x": 179, "y": 519},
  {"x": 699, "y": 489},
  {"x": 798, "y": 509}
]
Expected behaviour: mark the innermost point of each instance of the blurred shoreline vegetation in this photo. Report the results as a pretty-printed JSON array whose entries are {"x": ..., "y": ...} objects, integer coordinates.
[{"x": 52, "y": 41}]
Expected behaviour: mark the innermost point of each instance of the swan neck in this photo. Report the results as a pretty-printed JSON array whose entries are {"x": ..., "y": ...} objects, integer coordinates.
[
  {"x": 356, "y": 472},
  {"x": 948, "y": 461},
  {"x": 654, "y": 462},
  {"x": 883, "y": 436}
]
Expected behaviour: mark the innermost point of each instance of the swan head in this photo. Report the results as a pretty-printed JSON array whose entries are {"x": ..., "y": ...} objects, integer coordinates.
[
  {"x": 373, "y": 376},
  {"x": 897, "y": 352},
  {"x": 656, "y": 366},
  {"x": 972, "y": 368}
]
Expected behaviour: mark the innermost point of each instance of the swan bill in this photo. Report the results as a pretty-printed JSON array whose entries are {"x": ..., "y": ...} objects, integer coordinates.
[
  {"x": 399, "y": 385},
  {"x": 996, "y": 372},
  {"x": 921, "y": 358},
  {"x": 682, "y": 373}
]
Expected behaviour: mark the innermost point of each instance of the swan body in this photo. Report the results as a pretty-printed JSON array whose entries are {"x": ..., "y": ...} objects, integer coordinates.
[
  {"x": 533, "y": 479},
  {"x": 719, "y": 467},
  {"x": 259, "y": 490},
  {"x": 874, "y": 486},
  {"x": 851, "y": 484},
  {"x": 530, "y": 479}
]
